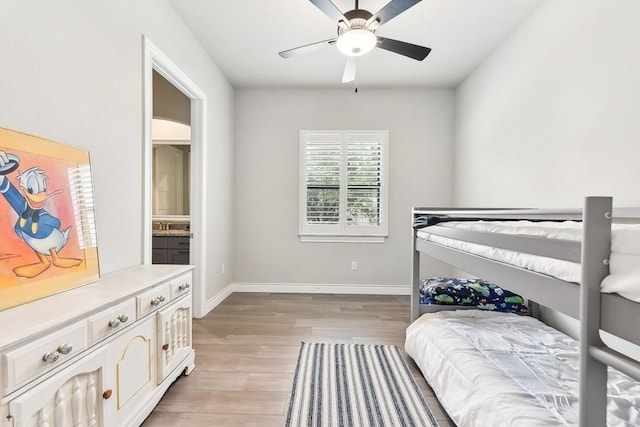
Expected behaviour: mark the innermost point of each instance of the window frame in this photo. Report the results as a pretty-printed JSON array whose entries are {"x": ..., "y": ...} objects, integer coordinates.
[{"x": 343, "y": 232}]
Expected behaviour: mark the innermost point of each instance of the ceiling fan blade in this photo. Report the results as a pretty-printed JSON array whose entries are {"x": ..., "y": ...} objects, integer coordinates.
[
  {"x": 391, "y": 10},
  {"x": 306, "y": 48},
  {"x": 403, "y": 48},
  {"x": 330, "y": 10},
  {"x": 350, "y": 68}
]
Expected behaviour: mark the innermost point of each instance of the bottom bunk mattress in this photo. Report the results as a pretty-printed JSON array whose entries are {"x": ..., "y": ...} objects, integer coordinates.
[{"x": 502, "y": 369}]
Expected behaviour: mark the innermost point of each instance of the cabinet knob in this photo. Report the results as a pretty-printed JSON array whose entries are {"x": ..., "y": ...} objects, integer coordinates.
[
  {"x": 184, "y": 286},
  {"x": 158, "y": 300},
  {"x": 123, "y": 318},
  {"x": 165, "y": 347},
  {"x": 51, "y": 357},
  {"x": 107, "y": 394},
  {"x": 65, "y": 349}
]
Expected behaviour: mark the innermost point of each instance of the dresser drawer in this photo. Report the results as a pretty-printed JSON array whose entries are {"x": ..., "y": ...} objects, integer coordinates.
[
  {"x": 180, "y": 285},
  {"x": 30, "y": 360},
  {"x": 111, "y": 320},
  {"x": 152, "y": 299}
]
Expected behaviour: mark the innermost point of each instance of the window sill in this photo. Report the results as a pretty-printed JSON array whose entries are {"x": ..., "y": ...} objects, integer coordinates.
[{"x": 320, "y": 238}]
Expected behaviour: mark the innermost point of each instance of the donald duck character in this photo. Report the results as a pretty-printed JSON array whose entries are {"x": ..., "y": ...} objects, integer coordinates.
[{"x": 35, "y": 226}]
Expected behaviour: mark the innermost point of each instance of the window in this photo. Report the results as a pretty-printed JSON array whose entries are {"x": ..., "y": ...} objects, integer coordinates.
[{"x": 343, "y": 185}]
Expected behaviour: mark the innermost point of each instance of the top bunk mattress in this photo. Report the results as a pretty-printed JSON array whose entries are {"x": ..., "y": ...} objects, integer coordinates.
[
  {"x": 624, "y": 262},
  {"x": 501, "y": 369}
]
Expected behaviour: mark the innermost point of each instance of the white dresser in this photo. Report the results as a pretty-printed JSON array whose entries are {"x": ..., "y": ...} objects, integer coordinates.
[{"x": 102, "y": 354}]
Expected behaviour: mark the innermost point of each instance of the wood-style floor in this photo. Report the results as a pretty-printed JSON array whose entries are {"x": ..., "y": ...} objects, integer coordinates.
[{"x": 247, "y": 348}]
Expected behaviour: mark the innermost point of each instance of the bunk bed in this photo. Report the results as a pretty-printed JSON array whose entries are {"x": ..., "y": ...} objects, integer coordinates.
[{"x": 570, "y": 266}]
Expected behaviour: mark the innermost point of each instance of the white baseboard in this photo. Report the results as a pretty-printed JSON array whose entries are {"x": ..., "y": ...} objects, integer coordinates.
[
  {"x": 318, "y": 288},
  {"x": 217, "y": 299}
]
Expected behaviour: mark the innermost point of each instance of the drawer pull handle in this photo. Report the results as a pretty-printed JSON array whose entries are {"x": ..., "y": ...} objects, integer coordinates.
[
  {"x": 51, "y": 357},
  {"x": 65, "y": 349},
  {"x": 184, "y": 286},
  {"x": 165, "y": 347},
  {"x": 158, "y": 300},
  {"x": 123, "y": 318},
  {"x": 107, "y": 394}
]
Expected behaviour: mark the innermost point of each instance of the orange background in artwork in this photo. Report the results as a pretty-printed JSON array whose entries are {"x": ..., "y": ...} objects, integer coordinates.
[
  {"x": 55, "y": 160},
  {"x": 59, "y": 206}
]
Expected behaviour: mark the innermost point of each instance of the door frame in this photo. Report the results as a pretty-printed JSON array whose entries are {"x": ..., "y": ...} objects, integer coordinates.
[{"x": 155, "y": 59}]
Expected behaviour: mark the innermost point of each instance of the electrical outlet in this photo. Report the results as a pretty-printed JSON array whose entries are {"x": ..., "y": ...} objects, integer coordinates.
[{"x": 354, "y": 265}]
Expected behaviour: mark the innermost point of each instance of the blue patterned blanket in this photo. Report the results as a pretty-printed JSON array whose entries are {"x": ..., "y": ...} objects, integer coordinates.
[{"x": 470, "y": 292}]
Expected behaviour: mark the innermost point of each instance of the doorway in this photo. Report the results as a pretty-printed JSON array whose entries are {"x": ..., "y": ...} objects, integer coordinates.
[
  {"x": 158, "y": 62},
  {"x": 171, "y": 154}
]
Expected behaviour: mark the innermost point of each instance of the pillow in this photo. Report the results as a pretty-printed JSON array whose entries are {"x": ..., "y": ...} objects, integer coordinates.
[{"x": 471, "y": 292}]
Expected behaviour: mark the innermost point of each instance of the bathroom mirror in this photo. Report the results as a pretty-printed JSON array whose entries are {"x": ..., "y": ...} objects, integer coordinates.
[{"x": 171, "y": 160}]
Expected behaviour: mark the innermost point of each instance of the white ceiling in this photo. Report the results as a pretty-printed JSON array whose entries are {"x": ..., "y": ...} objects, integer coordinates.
[{"x": 243, "y": 37}]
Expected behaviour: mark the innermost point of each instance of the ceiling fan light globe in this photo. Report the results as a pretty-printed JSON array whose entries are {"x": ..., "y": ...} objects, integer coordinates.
[{"x": 356, "y": 42}]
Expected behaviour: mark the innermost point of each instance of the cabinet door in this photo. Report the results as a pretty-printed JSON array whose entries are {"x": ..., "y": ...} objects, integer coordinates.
[
  {"x": 174, "y": 336},
  {"x": 132, "y": 359},
  {"x": 73, "y": 396},
  {"x": 159, "y": 242},
  {"x": 159, "y": 250},
  {"x": 178, "y": 256},
  {"x": 159, "y": 256}
]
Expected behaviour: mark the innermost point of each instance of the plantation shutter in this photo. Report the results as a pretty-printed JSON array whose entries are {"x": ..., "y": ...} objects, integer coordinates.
[
  {"x": 363, "y": 182},
  {"x": 323, "y": 165},
  {"x": 342, "y": 185}
]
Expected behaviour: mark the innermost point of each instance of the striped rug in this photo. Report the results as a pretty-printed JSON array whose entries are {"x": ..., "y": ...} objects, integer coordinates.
[{"x": 355, "y": 385}]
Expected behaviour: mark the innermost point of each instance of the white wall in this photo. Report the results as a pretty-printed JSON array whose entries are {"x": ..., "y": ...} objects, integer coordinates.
[
  {"x": 553, "y": 115},
  {"x": 267, "y": 249},
  {"x": 71, "y": 71}
]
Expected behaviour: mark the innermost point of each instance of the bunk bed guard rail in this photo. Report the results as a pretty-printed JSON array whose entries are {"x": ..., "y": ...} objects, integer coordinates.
[{"x": 592, "y": 252}]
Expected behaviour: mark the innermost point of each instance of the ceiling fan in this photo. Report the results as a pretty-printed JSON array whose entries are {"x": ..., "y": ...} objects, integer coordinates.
[{"x": 356, "y": 34}]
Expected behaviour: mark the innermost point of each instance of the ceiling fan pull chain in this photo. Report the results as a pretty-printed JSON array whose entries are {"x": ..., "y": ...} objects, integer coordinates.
[{"x": 355, "y": 83}]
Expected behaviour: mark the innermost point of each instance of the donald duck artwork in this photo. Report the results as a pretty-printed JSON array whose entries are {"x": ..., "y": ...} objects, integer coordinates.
[{"x": 35, "y": 226}]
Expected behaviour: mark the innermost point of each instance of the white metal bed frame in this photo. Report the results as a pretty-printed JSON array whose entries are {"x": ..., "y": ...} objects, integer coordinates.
[{"x": 596, "y": 310}]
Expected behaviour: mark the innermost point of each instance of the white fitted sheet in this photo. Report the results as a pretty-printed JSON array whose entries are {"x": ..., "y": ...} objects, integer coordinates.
[
  {"x": 501, "y": 369},
  {"x": 624, "y": 263}
]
